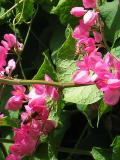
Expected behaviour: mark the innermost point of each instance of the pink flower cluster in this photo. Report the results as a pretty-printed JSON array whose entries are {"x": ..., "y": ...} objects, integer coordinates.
[
  {"x": 9, "y": 42},
  {"x": 93, "y": 68},
  {"x": 35, "y": 118}
]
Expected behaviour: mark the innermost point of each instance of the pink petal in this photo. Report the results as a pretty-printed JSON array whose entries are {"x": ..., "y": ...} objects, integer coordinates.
[
  {"x": 97, "y": 36},
  {"x": 111, "y": 97},
  {"x": 14, "y": 103},
  {"x": 89, "y": 3},
  {"x": 11, "y": 39},
  {"x": 13, "y": 157},
  {"x": 90, "y": 18},
  {"x": 78, "y": 11},
  {"x": 81, "y": 77}
]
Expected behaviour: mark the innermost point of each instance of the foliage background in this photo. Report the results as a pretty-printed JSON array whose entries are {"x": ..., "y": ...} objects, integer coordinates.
[{"x": 41, "y": 25}]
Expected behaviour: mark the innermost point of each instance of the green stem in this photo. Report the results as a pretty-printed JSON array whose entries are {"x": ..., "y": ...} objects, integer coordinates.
[
  {"x": 81, "y": 136},
  {"x": 74, "y": 151},
  {"x": 49, "y": 83},
  {"x": 9, "y": 10},
  {"x": 20, "y": 64},
  {"x": 27, "y": 35},
  {"x": 29, "y": 28}
]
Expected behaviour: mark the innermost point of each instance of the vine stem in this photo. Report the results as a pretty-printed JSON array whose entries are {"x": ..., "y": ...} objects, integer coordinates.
[
  {"x": 20, "y": 64},
  {"x": 12, "y": 81},
  {"x": 9, "y": 10},
  {"x": 74, "y": 151},
  {"x": 29, "y": 29},
  {"x": 78, "y": 142}
]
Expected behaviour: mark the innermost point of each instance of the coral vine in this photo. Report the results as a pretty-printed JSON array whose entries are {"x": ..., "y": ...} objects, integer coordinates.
[
  {"x": 93, "y": 67},
  {"x": 26, "y": 138}
]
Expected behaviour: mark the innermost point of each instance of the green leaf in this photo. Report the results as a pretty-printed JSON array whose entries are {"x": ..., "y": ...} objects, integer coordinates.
[
  {"x": 24, "y": 11},
  {"x": 115, "y": 50},
  {"x": 55, "y": 111},
  {"x": 82, "y": 95},
  {"x": 101, "y": 154},
  {"x": 101, "y": 2},
  {"x": 64, "y": 58},
  {"x": 63, "y": 10},
  {"x": 116, "y": 143},
  {"x": 46, "y": 68},
  {"x": 2, "y": 11},
  {"x": 116, "y": 148},
  {"x": 103, "y": 108},
  {"x": 110, "y": 12},
  {"x": 7, "y": 121}
]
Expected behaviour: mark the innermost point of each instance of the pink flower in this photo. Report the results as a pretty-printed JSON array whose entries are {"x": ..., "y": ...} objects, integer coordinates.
[
  {"x": 39, "y": 89},
  {"x": 81, "y": 31},
  {"x": 13, "y": 157},
  {"x": 87, "y": 44},
  {"x": 5, "y": 45},
  {"x": 113, "y": 83},
  {"x": 36, "y": 127},
  {"x": 111, "y": 97},
  {"x": 19, "y": 90},
  {"x": 50, "y": 90},
  {"x": 38, "y": 105},
  {"x": 25, "y": 116},
  {"x": 97, "y": 36},
  {"x": 45, "y": 90},
  {"x": 3, "y": 51},
  {"x": 33, "y": 94},
  {"x": 81, "y": 77},
  {"x": 113, "y": 64},
  {"x": 78, "y": 11},
  {"x": 10, "y": 39},
  {"x": 3, "y": 56},
  {"x": 26, "y": 138},
  {"x": 90, "y": 18},
  {"x": 32, "y": 129},
  {"x": 89, "y": 3},
  {"x": 101, "y": 67},
  {"x": 2, "y": 115},
  {"x": 25, "y": 147},
  {"x": 14, "y": 103},
  {"x": 89, "y": 62},
  {"x": 11, "y": 66}
]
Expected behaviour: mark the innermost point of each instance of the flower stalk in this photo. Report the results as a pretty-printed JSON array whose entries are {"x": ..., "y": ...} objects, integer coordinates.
[{"x": 49, "y": 83}]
